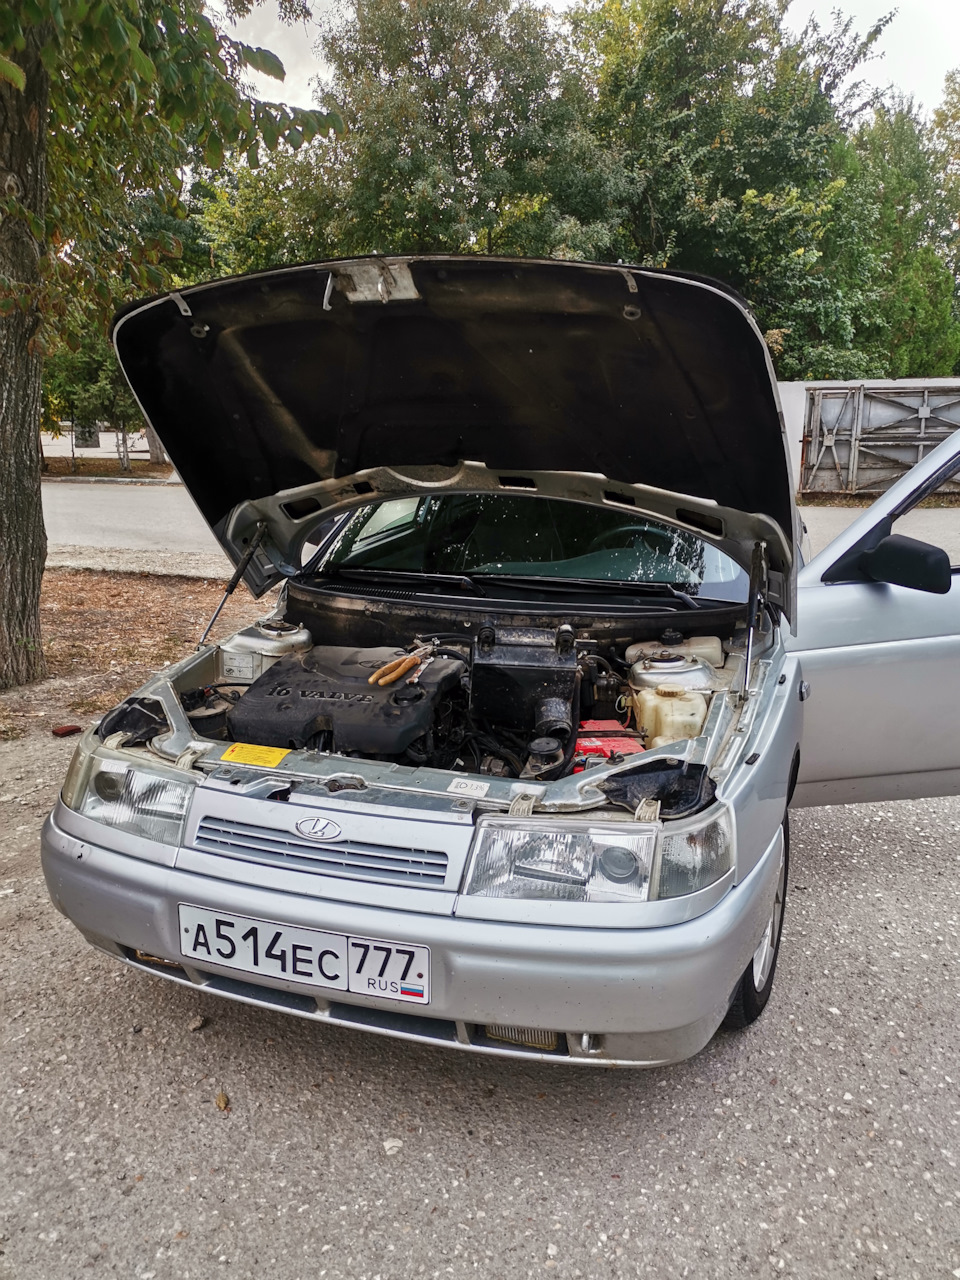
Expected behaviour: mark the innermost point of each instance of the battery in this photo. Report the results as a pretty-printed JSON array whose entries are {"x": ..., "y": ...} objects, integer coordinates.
[{"x": 605, "y": 738}]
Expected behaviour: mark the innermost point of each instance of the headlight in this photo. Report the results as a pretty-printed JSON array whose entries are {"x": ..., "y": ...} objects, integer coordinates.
[
  {"x": 570, "y": 861},
  {"x": 694, "y": 856},
  {"x": 589, "y": 863},
  {"x": 142, "y": 801}
]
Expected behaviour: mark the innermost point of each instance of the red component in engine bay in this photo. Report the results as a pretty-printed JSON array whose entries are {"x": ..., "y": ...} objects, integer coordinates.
[{"x": 605, "y": 738}]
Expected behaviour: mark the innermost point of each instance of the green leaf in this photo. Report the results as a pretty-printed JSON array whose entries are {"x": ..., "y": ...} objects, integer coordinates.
[
  {"x": 143, "y": 66},
  {"x": 262, "y": 60},
  {"x": 249, "y": 56},
  {"x": 118, "y": 35},
  {"x": 330, "y": 122},
  {"x": 213, "y": 151},
  {"x": 49, "y": 56},
  {"x": 253, "y": 156},
  {"x": 271, "y": 65},
  {"x": 269, "y": 129},
  {"x": 13, "y": 74}
]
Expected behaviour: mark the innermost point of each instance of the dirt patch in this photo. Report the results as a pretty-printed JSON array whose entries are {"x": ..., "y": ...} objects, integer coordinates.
[
  {"x": 140, "y": 468},
  {"x": 104, "y": 634}
]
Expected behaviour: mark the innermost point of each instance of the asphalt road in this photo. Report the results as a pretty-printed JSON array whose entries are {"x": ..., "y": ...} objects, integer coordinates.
[
  {"x": 136, "y": 516},
  {"x": 820, "y": 1143},
  {"x": 132, "y": 527}
]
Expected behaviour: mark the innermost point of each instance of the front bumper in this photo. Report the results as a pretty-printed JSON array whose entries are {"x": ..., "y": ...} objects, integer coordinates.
[{"x": 623, "y": 997}]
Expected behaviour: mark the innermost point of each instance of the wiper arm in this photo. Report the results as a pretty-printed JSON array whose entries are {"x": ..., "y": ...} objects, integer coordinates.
[
  {"x": 598, "y": 585},
  {"x": 411, "y": 577}
]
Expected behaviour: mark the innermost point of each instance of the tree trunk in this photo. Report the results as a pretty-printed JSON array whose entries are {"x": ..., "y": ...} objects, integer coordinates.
[
  {"x": 23, "y": 542},
  {"x": 123, "y": 447},
  {"x": 157, "y": 454}
]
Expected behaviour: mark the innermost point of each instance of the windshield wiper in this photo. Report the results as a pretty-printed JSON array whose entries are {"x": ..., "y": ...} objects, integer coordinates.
[
  {"x": 410, "y": 577},
  {"x": 598, "y": 585}
]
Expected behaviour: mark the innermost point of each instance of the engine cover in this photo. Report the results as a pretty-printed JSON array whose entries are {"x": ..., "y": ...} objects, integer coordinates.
[{"x": 326, "y": 691}]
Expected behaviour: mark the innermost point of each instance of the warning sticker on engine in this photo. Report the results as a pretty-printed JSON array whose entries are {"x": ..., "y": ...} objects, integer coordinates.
[
  {"x": 247, "y": 753},
  {"x": 465, "y": 787}
]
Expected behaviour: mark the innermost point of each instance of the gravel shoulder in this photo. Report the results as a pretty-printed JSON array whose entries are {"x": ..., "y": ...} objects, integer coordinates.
[{"x": 820, "y": 1143}]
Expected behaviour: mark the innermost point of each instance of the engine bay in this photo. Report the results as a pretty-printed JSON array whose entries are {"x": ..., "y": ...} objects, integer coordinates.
[{"x": 508, "y": 701}]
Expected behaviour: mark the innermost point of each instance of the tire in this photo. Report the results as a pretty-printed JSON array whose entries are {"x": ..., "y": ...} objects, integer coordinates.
[{"x": 756, "y": 983}]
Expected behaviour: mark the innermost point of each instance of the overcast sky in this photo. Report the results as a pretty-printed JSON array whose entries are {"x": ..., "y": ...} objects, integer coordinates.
[{"x": 919, "y": 47}]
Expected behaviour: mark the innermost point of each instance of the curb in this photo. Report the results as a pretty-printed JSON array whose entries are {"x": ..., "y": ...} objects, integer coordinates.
[
  {"x": 108, "y": 480},
  {"x": 163, "y": 564}
]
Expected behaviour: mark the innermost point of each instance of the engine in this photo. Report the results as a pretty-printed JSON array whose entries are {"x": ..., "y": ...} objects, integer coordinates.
[
  {"x": 329, "y": 698},
  {"x": 512, "y": 702}
]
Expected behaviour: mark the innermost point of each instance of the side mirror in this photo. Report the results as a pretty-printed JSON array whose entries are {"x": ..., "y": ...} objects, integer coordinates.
[{"x": 905, "y": 562}]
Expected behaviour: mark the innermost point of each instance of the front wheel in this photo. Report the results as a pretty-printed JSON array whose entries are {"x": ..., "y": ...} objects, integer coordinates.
[{"x": 754, "y": 987}]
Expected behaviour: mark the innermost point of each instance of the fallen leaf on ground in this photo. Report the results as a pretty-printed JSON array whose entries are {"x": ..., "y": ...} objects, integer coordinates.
[{"x": 223, "y": 1102}]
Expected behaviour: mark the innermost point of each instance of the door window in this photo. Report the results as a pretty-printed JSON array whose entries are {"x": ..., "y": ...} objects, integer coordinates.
[{"x": 935, "y": 518}]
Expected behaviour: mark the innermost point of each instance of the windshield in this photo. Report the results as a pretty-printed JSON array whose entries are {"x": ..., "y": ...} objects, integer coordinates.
[{"x": 524, "y": 536}]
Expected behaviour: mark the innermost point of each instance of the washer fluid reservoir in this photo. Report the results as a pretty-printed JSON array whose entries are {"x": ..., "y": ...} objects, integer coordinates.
[
  {"x": 253, "y": 650},
  {"x": 669, "y": 713}
]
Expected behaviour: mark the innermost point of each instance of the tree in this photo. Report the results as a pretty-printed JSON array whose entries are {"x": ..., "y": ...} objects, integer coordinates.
[
  {"x": 276, "y": 214},
  {"x": 87, "y": 387},
  {"x": 732, "y": 141},
  {"x": 467, "y": 133},
  {"x": 700, "y": 134},
  {"x": 902, "y": 175},
  {"x": 448, "y": 103},
  {"x": 100, "y": 103},
  {"x": 946, "y": 124}
]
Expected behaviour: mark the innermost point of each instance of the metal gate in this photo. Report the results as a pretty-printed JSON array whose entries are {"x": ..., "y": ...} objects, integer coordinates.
[{"x": 859, "y": 439}]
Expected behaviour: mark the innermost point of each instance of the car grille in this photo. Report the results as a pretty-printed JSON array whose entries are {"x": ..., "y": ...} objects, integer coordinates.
[
  {"x": 381, "y": 863},
  {"x": 527, "y": 1037}
]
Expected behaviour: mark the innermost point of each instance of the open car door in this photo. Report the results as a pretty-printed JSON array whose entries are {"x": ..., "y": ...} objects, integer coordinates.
[{"x": 878, "y": 638}]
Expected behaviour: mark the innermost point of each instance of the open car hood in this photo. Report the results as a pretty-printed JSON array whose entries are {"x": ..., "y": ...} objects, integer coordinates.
[{"x": 289, "y": 395}]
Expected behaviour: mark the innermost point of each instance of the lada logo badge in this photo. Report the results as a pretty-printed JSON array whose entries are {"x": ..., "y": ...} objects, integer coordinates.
[{"x": 318, "y": 828}]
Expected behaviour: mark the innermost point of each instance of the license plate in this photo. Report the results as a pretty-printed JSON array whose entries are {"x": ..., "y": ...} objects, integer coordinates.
[{"x": 334, "y": 961}]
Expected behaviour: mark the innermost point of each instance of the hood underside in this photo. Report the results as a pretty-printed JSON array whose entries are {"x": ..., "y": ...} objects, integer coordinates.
[{"x": 289, "y": 395}]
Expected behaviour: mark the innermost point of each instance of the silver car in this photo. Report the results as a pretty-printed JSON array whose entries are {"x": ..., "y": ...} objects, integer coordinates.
[{"x": 507, "y": 768}]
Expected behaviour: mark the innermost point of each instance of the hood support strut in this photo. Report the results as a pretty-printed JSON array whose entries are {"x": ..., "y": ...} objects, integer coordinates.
[
  {"x": 755, "y": 605},
  {"x": 238, "y": 573}
]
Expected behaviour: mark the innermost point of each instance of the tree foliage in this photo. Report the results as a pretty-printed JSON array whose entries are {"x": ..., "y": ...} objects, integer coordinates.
[
  {"x": 466, "y": 131},
  {"x": 103, "y": 104},
  {"x": 687, "y": 133},
  {"x": 902, "y": 180},
  {"x": 946, "y": 134},
  {"x": 139, "y": 89},
  {"x": 86, "y": 387}
]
